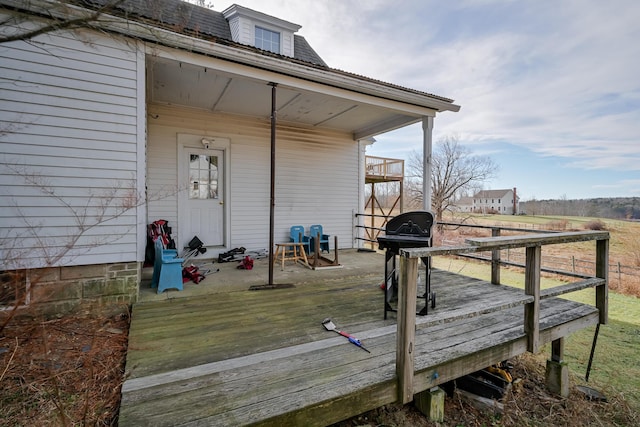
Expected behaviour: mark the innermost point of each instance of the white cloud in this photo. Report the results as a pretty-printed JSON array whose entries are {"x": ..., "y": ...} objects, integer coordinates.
[{"x": 558, "y": 78}]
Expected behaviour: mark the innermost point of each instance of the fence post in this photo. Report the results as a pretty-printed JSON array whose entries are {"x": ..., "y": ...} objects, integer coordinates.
[
  {"x": 532, "y": 287},
  {"x": 495, "y": 259},
  {"x": 602, "y": 271},
  {"x": 619, "y": 274},
  {"x": 407, "y": 295}
]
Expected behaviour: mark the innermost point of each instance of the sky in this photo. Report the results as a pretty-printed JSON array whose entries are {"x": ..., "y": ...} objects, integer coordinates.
[{"x": 548, "y": 89}]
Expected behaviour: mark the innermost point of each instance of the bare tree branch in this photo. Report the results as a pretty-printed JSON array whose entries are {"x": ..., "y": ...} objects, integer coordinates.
[
  {"x": 454, "y": 170},
  {"x": 96, "y": 210},
  {"x": 52, "y": 22}
]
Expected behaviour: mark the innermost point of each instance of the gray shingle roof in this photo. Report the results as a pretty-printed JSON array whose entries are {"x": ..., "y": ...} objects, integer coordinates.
[
  {"x": 207, "y": 24},
  {"x": 495, "y": 194},
  {"x": 188, "y": 18},
  {"x": 304, "y": 52}
]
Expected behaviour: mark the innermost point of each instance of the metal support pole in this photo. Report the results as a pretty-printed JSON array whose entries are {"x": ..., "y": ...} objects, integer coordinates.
[{"x": 273, "y": 179}]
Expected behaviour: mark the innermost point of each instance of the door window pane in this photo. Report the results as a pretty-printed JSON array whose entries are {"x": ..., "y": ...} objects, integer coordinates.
[{"x": 203, "y": 176}]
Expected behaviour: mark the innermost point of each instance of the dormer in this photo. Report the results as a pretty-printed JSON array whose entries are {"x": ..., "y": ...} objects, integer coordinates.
[{"x": 260, "y": 30}]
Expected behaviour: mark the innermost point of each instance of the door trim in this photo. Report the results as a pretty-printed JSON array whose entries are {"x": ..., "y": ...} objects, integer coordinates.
[{"x": 185, "y": 140}]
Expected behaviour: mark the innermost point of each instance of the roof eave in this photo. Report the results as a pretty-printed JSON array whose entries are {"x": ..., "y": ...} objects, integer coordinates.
[{"x": 326, "y": 76}]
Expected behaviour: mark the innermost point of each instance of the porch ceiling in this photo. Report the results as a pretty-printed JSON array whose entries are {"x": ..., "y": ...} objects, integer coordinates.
[{"x": 178, "y": 83}]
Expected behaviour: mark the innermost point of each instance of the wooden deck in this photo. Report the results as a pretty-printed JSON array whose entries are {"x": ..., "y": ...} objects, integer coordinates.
[{"x": 263, "y": 357}]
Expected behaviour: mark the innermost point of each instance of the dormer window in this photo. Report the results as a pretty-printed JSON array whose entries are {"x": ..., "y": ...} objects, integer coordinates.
[
  {"x": 260, "y": 30},
  {"x": 267, "y": 40}
]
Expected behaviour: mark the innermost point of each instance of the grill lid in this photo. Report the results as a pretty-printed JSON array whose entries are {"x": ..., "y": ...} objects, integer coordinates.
[{"x": 416, "y": 223}]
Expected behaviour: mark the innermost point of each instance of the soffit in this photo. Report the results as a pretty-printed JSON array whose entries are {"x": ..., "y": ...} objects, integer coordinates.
[{"x": 197, "y": 86}]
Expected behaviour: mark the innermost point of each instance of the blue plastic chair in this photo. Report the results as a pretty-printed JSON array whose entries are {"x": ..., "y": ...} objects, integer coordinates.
[
  {"x": 296, "y": 235},
  {"x": 167, "y": 269},
  {"x": 315, "y": 231}
]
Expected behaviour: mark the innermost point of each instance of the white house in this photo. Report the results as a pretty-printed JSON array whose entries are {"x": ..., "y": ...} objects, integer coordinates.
[
  {"x": 463, "y": 204},
  {"x": 166, "y": 110},
  {"x": 504, "y": 202}
]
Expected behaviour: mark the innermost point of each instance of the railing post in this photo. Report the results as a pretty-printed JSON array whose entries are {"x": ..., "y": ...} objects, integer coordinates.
[
  {"x": 495, "y": 259},
  {"x": 407, "y": 295},
  {"x": 532, "y": 287},
  {"x": 602, "y": 271}
]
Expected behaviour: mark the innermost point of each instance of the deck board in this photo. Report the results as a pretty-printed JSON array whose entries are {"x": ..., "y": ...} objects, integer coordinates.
[{"x": 263, "y": 357}]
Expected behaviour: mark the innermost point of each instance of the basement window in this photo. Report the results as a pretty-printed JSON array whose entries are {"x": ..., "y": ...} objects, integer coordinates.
[{"x": 267, "y": 40}]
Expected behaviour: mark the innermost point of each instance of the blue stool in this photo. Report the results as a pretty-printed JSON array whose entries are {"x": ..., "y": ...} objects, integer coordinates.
[{"x": 167, "y": 269}]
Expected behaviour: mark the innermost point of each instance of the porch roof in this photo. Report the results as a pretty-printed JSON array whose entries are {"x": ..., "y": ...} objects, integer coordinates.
[{"x": 309, "y": 92}]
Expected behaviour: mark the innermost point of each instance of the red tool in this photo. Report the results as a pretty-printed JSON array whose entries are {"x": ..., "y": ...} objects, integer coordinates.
[{"x": 329, "y": 326}]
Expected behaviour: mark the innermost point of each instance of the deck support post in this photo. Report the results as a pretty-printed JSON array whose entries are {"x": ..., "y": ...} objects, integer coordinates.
[
  {"x": 557, "y": 373},
  {"x": 602, "y": 271},
  {"x": 495, "y": 259},
  {"x": 431, "y": 403},
  {"x": 407, "y": 296},
  {"x": 532, "y": 287},
  {"x": 557, "y": 350}
]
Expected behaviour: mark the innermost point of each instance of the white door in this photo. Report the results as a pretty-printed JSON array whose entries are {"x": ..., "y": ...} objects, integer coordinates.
[{"x": 201, "y": 210}]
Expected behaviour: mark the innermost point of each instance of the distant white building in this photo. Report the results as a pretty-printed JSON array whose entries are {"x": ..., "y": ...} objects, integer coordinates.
[
  {"x": 464, "y": 204},
  {"x": 504, "y": 202}
]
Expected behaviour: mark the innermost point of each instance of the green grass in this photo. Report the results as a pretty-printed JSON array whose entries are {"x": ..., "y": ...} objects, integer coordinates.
[{"x": 616, "y": 364}]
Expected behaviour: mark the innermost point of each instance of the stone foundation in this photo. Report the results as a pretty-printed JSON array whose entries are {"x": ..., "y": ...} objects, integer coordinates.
[{"x": 61, "y": 290}]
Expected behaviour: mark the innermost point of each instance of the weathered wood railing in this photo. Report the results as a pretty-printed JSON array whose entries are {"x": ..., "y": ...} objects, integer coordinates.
[
  {"x": 533, "y": 244},
  {"x": 383, "y": 167}
]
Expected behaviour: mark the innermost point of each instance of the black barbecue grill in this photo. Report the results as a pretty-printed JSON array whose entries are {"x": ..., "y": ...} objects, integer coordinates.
[{"x": 407, "y": 230}]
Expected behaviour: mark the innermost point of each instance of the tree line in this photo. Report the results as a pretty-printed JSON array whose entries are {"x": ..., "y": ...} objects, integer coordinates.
[{"x": 627, "y": 208}]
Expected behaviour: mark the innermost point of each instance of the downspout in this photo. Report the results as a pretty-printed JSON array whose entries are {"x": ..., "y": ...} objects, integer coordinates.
[
  {"x": 273, "y": 179},
  {"x": 427, "y": 142}
]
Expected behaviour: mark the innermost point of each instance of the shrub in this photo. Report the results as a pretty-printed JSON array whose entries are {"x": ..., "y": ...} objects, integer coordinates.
[
  {"x": 559, "y": 224},
  {"x": 596, "y": 224}
]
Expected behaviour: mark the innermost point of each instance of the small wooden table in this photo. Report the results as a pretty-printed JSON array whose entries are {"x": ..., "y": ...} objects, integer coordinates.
[{"x": 290, "y": 252}]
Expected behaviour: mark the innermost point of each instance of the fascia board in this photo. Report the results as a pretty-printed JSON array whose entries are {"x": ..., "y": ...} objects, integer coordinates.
[
  {"x": 325, "y": 77},
  {"x": 261, "y": 75}
]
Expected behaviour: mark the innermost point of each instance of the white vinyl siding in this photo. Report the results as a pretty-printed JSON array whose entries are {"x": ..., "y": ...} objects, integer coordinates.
[
  {"x": 316, "y": 175},
  {"x": 286, "y": 42},
  {"x": 68, "y": 113}
]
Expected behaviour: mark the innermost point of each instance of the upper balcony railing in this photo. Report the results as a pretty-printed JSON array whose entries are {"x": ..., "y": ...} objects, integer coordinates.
[{"x": 384, "y": 169}]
